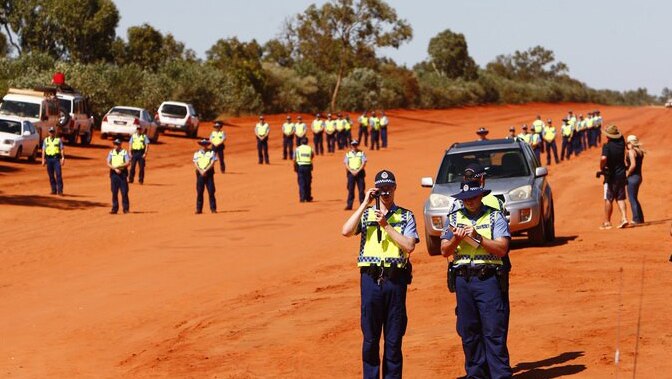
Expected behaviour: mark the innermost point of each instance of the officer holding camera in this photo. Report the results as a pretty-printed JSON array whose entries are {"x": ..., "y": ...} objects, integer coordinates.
[
  {"x": 388, "y": 237},
  {"x": 477, "y": 236}
]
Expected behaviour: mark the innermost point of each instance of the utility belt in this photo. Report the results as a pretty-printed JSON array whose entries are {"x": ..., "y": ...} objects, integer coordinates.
[
  {"x": 393, "y": 273},
  {"x": 124, "y": 171},
  {"x": 482, "y": 272},
  {"x": 52, "y": 156},
  {"x": 137, "y": 151}
]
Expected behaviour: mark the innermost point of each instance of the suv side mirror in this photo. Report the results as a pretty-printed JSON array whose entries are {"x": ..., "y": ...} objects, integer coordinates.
[
  {"x": 427, "y": 182},
  {"x": 26, "y": 133},
  {"x": 540, "y": 171}
]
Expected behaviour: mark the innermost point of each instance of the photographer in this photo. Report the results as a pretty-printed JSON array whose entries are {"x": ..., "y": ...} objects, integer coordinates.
[
  {"x": 388, "y": 237},
  {"x": 612, "y": 165}
]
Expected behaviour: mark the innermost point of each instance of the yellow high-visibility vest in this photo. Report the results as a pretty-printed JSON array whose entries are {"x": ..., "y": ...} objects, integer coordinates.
[
  {"x": 340, "y": 125},
  {"x": 549, "y": 134},
  {"x": 288, "y": 129},
  {"x": 384, "y": 253},
  {"x": 375, "y": 123},
  {"x": 566, "y": 130},
  {"x": 538, "y": 126},
  {"x": 330, "y": 126},
  {"x": 300, "y": 129},
  {"x": 317, "y": 126},
  {"x": 138, "y": 142},
  {"x": 525, "y": 137},
  {"x": 53, "y": 146},
  {"x": 118, "y": 158},
  {"x": 203, "y": 159},
  {"x": 355, "y": 159},
  {"x": 304, "y": 155},
  {"x": 263, "y": 129},
  {"x": 484, "y": 226},
  {"x": 217, "y": 137},
  {"x": 363, "y": 120}
]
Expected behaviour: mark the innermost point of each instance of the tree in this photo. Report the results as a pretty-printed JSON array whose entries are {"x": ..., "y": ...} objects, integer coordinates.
[
  {"x": 242, "y": 59},
  {"x": 145, "y": 46},
  {"x": 449, "y": 56},
  {"x": 343, "y": 34},
  {"x": 77, "y": 30},
  {"x": 535, "y": 63},
  {"x": 4, "y": 45}
]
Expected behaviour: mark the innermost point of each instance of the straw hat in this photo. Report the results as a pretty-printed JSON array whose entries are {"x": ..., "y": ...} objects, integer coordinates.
[{"x": 612, "y": 132}]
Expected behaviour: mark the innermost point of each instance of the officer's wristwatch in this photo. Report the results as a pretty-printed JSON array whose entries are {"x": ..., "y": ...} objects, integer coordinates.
[{"x": 478, "y": 239}]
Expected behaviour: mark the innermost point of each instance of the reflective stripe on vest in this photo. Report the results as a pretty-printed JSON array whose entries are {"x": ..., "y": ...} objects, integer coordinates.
[
  {"x": 340, "y": 125},
  {"x": 53, "y": 146},
  {"x": 304, "y": 155},
  {"x": 364, "y": 121},
  {"x": 386, "y": 252},
  {"x": 138, "y": 142},
  {"x": 217, "y": 137},
  {"x": 375, "y": 123},
  {"x": 535, "y": 139},
  {"x": 300, "y": 129},
  {"x": 484, "y": 226},
  {"x": 566, "y": 130},
  {"x": 118, "y": 158},
  {"x": 263, "y": 129},
  {"x": 355, "y": 159},
  {"x": 538, "y": 125},
  {"x": 549, "y": 133},
  {"x": 203, "y": 159},
  {"x": 524, "y": 137},
  {"x": 347, "y": 125},
  {"x": 330, "y": 126},
  {"x": 287, "y": 128},
  {"x": 317, "y": 126}
]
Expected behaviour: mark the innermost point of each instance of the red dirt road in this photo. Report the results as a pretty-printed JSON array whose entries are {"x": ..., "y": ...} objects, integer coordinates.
[{"x": 268, "y": 287}]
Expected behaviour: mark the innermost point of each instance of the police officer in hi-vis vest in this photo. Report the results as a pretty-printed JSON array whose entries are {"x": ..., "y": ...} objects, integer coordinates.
[
  {"x": 317, "y": 126},
  {"x": 355, "y": 161},
  {"x": 204, "y": 161},
  {"x": 340, "y": 131},
  {"x": 330, "y": 129},
  {"x": 53, "y": 156},
  {"x": 288, "y": 139},
  {"x": 388, "y": 237},
  {"x": 262, "y": 130},
  {"x": 217, "y": 139},
  {"x": 384, "y": 123},
  {"x": 477, "y": 238},
  {"x": 524, "y": 135},
  {"x": 374, "y": 124},
  {"x": 567, "y": 133},
  {"x": 303, "y": 165},
  {"x": 512, "y": 133},
  {"x": 536, "y": 143},
  {"x": 300, "y": 130},
  {"x": 118, "y": 161},
  {"x": 139, "y": 143},
  {"x": 548, "y": 135},
  {"x": 538, "y": 127},
  {"x": 364, "y": 128}
]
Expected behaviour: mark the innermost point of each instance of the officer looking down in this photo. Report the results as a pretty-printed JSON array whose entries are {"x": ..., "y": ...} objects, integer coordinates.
[
  {"x": 388, "y": 237},
  {"x": 477, "y": 237}
]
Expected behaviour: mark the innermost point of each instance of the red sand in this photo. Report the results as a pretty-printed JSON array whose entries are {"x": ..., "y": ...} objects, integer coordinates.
[{"x": 269, "y": 288}]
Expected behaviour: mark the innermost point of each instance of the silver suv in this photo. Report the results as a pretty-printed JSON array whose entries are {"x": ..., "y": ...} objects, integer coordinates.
[
  {"x": 513, "y": 174},
  {"x": 178, "y": 116}
]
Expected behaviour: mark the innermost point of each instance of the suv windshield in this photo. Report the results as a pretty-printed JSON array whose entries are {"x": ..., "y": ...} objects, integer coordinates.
[
  {"x": 125, "y": 112},
  {"x": 12, "y": 127},
  {"x": 65, "y": 104},
  {"x": 174, "y": 110},
  {"x": 506, "y": 163},
  {"x": 20, "y": 108}
]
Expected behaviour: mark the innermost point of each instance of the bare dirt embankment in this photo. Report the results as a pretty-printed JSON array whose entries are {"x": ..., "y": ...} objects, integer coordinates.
[{"x": 269, "y": 288}]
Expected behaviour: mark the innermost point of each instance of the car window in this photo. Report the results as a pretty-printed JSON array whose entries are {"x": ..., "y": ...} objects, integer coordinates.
[
  {"x": 31, "y": 127},
  {"x": 11, "y": 127},
  {"x": 124, "y": 112},
  {"x": 192, "y": 111},
  {"x": 174, "y": 110},
  {"x": 20, "y": 108},
  {"x": 52, "y": 108},
  {"x": 504, "y": 163},
  {"x": 66, "y": 105}
]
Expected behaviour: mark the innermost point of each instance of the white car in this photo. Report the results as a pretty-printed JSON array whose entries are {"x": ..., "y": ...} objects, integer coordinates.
[
  {"x": 123, "y": 122},
  {"x": 18, "y": 138},
  {"x": 178, "y": 116},
  {"x": 668, "y": 104}
]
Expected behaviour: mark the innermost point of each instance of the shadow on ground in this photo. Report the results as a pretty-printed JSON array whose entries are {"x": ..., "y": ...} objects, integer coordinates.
[
  {"x": 541, "y": 370},
  {"x": 56, "y": 202},
  {"x": 524, "y": 243}
]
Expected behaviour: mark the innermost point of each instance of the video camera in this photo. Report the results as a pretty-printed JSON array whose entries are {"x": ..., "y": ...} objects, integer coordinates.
[{"x": 604, "y": 173}]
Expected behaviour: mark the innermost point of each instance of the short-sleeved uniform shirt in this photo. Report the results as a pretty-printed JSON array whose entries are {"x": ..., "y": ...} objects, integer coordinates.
[{"x": 143, "y": 136}]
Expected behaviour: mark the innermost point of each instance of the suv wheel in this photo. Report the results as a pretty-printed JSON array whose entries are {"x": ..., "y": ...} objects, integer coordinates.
[
  {"x": 433, "y": 244},
  {"x": 19, "y": 151},
  {"x": 550, "y": 226},
  {"x": 72, "y": 138},
  {"x": 33, "y": 156},
  {"x": 537, "y": 235},
  {"x": 85, "y": 139},
  {"x": 194, "y": 133}
]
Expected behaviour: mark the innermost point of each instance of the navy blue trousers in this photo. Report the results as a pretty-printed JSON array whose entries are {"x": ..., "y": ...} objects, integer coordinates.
[
  {"x": 482, "y": 323},
  {"x": 352, "y": 181},
  {"x": 318, "y": 140},
  {"x": 305, "y": 179},
  {"x": 331, "y": 142},
  {"x": 55, "y": 174},
  {"x": 537, "y": 152},
  {"x": 383, "y": 310},
  {"x": 375, "y": 139},
  {"x": 566, "y": 150},
  {"x": 363, "y": 131},
  {"x": 551, "y": 146},
  {"x": 287, "y": 147},
  {"x": 341, "y": 139},
  {"x": 383, "y": 136},
  {"x": 203, "y": 182},
  {"x": 137, "y": 159},
  {"x": 262, "y": 150},
  {"x": 219, "y": 149},
  {"x": 118, "y": 183}
]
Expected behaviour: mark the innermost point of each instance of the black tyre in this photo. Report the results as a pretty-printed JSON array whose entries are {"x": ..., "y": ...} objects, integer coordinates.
[
  {"x": 537, "y": 235},
  {"x": 33, "y": 156},
  {"x": 550, "y": 226},
  {"x": 19, "y": 151},
  {"x": 433, "y": 244},
  {"x": 72, "y": 138},
  {"x": 156, "y": 137},
  {"x": 85, "y": 139},
  {"x": 103, "y": 135},
  {"x": 63, "y": 118}
]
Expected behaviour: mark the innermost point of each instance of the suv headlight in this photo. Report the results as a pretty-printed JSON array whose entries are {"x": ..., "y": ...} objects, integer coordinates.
[
  {"x": 521, "y": 193},
  {"x": 440, "y": 201},
  {"x": 9, "y": 142}
]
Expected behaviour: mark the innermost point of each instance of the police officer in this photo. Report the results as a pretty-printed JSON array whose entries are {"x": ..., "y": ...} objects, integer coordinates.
[
  {"x": 300, "y": 130},
  {"x": 482, "y": 134},
  {"x": 53, "y": 156},
  {"x": 340, "y": 131},
  {"x": 330, "y": 129},
  {"x": 262, "y": 130},
  {"x": 217, "y": 139},
  {"x": 524, "y": 135},
  {"x": 567, "y": 133},
  {"x": 364, "y": 128},
  {"x": 512, "y": 133},
  {"x": 477, "y": 238},
  {"x": 139, "y": 143},
  {"x": 384, "y": 123},
  {"x": 348, "y": 130},
  {"x": 388, "y": 237},
  {"x": 538, "y": 127},
  {"x": 549, "y": 134},
  {"x": 204, "y": 161},
  {"x": 318, "y": 134},
  {"x": 118, "y": 161},
  {"x": 355, "y": 161},
  {"x": 598, "y": 127},
  {"x": 303, "y": 165},
  {"x": 535, "y": 143},
  {"x": 590, "y": 129},
  {"x": 374, "y": 124},
  {"x": 288, "y": 139}
]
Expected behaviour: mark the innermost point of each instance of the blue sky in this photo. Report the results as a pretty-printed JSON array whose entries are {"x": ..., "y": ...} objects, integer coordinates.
[{"x": 616, "y": 44}]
